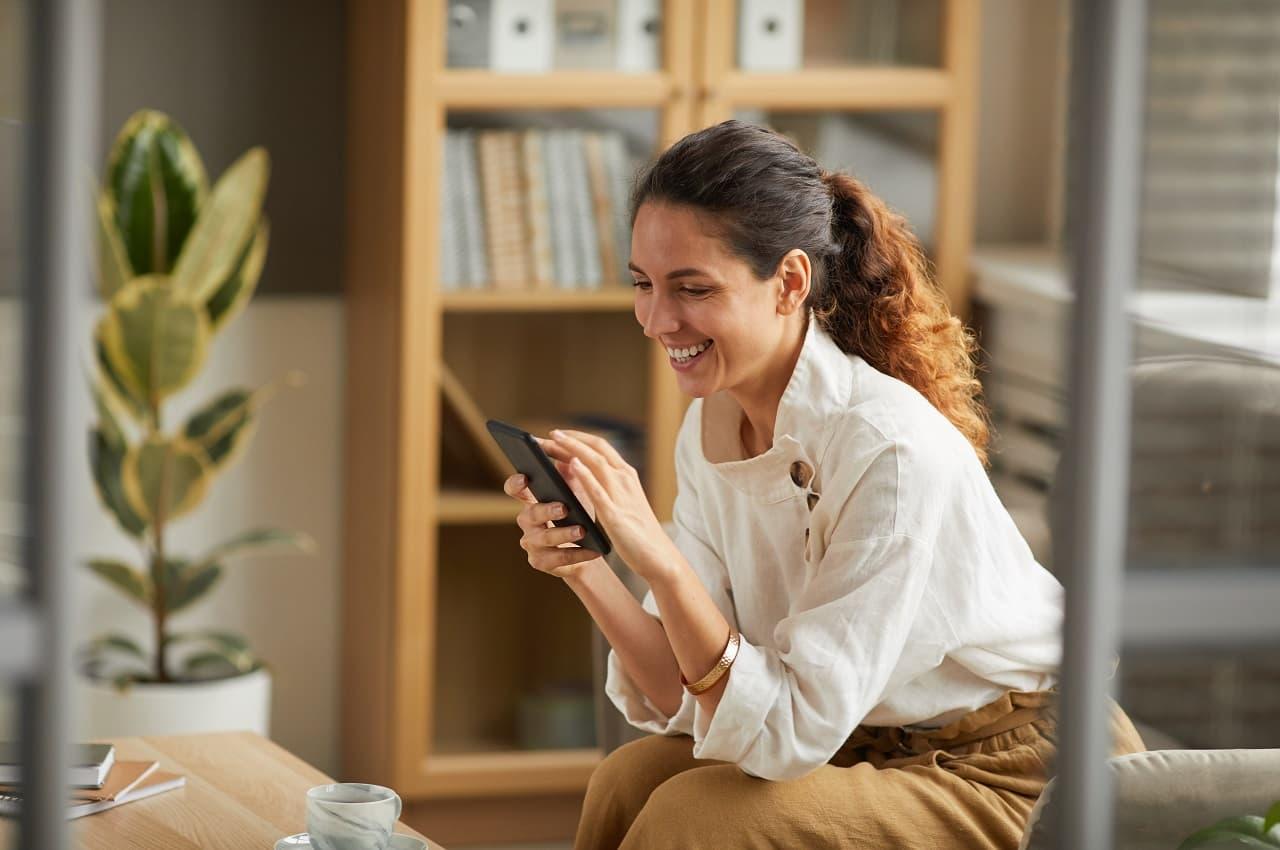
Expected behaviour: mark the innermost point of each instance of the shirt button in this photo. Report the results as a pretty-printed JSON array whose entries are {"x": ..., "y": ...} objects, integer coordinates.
[{"x": 801, "y": 473}]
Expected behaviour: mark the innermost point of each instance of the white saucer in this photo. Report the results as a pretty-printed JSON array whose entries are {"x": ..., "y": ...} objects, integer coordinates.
[{"x": 399, "y": 841}]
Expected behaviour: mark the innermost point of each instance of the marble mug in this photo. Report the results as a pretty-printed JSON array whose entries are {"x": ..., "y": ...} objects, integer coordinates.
[{"x": 351, "y": 816}]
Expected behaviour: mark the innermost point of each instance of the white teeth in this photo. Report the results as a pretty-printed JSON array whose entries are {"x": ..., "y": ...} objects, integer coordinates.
[{"x": 686, "y": 353}]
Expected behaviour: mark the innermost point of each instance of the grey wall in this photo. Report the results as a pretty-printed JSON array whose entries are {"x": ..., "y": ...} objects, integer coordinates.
[{"x": 238, "y": 73}]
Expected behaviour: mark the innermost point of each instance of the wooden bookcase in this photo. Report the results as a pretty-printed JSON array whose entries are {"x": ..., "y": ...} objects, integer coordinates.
[{"x": 442, "y": 617}]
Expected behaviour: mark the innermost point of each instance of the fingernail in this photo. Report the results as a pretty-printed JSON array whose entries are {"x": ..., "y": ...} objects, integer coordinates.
[
  {"x": 577, "y": 531},
  {"x": 560, "y": 512},
  {"x": 557, "y": 433}
]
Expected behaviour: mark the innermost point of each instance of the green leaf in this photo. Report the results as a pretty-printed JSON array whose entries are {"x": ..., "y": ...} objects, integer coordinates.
[
  {"x": 133, "y": 583},
  {"x": 228, "y": 640},
  {"x": 107, "y": 422},
  {"x": 185, "y": 583},
  {"x": 114, "y": 270},
  {"x": 164, "y": 477},
  {"x": 231, "y": 297},
  {"x": 1243, "y": 831},
  {"x": 120, "y": 643},
  {"x": 158, "y": 184},
  {"x": 107, "y": 460},
  {"x": 1272, "y": 817},
  {"x": 225, "y": 224},
  {"x": 155, "y": 339},
  {"x": 226, "y": 648},
  {"x": 133, "y": 405},
  {"x": 221, "y": 426},
  {"x": 259, "y": 537}
]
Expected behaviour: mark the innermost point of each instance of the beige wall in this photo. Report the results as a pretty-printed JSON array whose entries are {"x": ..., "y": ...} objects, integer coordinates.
[
  {"x": 290, "y": 477},
  {"x": 1018, "y": 127}
]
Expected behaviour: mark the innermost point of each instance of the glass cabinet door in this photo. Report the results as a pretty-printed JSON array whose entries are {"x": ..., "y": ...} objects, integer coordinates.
[{"x": 790, "y": 35}]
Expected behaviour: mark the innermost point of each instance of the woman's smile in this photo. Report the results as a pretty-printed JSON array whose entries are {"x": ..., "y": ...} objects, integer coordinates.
[{"x": 684, "y": 359}]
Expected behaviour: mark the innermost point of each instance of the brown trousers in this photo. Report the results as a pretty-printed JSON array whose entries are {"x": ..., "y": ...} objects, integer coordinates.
[{"x": 970, "y": 784}]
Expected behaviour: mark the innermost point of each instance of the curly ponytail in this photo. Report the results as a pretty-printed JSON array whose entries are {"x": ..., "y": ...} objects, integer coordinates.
[
  {"x": 879, "y": 301},
  {"x": 870, "y": 288}
]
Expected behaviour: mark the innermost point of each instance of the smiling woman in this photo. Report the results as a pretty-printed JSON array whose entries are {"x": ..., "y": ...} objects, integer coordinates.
[{"x": 845, "y": 607}]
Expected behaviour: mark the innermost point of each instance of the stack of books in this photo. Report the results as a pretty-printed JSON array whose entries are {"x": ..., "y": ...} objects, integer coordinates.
[
  {"x": 98, "y": 781},
  {"x": 534, "y": 209}
]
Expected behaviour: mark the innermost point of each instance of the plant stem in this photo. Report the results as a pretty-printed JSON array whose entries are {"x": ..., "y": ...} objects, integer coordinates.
[{"x": 158, "y": 570}]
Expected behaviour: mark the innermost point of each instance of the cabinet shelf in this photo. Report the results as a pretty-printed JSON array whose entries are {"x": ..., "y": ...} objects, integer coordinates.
[
  {"x": 509, "y": 772},
  {"x": 478, "y": 89},
  {"x": 478, "y": 507},
  {"x": 842, "y": 89},
  {"x": 619, "y": 299},
  {"x": 447, "y": 627}
]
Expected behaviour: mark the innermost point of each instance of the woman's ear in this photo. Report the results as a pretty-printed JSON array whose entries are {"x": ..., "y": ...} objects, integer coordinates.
[{"x": 795, "y": 272}]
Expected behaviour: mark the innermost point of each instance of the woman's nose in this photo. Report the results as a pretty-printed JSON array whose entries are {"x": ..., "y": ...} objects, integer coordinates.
[{"x": 660, "y": 319}]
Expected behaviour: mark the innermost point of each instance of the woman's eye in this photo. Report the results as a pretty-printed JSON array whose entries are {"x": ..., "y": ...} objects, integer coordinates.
[
  {"x": 696, "y": 292},
  {"x": 640, "y": 283}
]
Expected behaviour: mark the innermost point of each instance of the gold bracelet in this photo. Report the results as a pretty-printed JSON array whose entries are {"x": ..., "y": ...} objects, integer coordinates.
[{"x": 722, "y": 666}]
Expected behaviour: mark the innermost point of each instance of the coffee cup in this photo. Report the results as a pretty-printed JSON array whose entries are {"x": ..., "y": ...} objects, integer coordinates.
[{"x": 351, "y": 816}]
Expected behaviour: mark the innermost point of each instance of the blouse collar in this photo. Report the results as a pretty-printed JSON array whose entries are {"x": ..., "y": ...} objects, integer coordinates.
[{"x": 820, "y": 384}]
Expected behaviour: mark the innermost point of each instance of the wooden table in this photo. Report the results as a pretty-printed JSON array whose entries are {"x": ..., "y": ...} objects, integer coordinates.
[{"x": 243, "y": 793}]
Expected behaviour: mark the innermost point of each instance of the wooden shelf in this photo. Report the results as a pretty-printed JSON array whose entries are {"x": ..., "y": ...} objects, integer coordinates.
[
  {"x": 459, "y": 89},
  {"x": 467, "y": 508},
  {"x": 839, "y": 89},
  {"x": 509, "y": 772},
  {"x": 480, "y": 301},
  {"x": 438, "y": 598}
]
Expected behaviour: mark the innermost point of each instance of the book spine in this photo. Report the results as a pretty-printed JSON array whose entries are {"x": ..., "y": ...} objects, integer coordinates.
[
  {"x": 584, "y": 231},
  {"x": 500, "y": 173},
  {"x": 619, "y": 167},
  {"x": 451, "y": 240},
  {"x": 601, "y": 208},
  {"x": 539, "y": 216},
  {"x": 567, "y": 274},
  {"x": 475, "y": 247}
]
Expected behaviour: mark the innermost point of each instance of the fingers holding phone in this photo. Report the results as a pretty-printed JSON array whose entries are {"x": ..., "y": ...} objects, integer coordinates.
[{"x": 552, "y": 549}]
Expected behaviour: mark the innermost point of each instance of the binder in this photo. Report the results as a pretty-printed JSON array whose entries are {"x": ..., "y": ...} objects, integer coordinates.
[
  {"x": 504, "y": 208},
  {"x": 584, "y": 34},
  {"x": 475, "y": 264},
  {"x": 533, "y": 161},
  {"x": 770, "y": 35},
  {"x": 468, "y": 33},
  {"x": 585, "y": 240},
  {"x": 621, "y": 172},
  {"x": 639, "y": 30},
  {"x": 451, "y": 239},
  {"x": 559, "y": 200},
  {"x": 601, "y": 206},
  {"x": 520, "y": 36}
]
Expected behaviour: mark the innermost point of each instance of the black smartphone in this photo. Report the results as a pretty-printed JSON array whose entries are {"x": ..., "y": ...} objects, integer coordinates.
[{"x": 546, "y": 483}]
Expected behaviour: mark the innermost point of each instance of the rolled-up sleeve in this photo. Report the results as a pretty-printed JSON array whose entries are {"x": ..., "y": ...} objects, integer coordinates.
[
  {"x": 787, "y": 709},
  {"x": 690, "y": 538}
]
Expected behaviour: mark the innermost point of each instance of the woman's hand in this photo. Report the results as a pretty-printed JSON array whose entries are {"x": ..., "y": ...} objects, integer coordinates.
[
  {"x": 610, "y": 489},
  {"x": 551, "y": 548}
]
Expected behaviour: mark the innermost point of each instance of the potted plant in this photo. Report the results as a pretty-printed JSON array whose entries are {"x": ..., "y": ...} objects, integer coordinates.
[
  {"x": 1243, "y": 831},
  {"x": 176, "y": 262}
]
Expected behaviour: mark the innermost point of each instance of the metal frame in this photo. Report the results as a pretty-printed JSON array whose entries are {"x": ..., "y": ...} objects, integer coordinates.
[
  {"x": 1108, "y": 38},
  {"x": 65, "y": 42}
]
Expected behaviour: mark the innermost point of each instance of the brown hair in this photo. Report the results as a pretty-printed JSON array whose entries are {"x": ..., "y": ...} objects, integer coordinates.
[{"x": 870, "y": 287}]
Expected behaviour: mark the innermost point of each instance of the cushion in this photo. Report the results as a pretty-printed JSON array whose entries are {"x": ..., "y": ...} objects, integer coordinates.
[{"x": 1163, "y": 796}]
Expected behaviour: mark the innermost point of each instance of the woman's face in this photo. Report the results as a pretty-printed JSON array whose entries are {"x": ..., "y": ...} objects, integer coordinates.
[{"x": 693, "y": 297}]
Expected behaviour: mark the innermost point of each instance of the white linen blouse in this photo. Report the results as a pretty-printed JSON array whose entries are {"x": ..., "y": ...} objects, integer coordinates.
[{"x": 905, "y": 597}]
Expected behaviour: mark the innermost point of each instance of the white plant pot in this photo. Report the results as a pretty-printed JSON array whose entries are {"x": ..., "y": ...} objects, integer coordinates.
[{"x": 241, "y": 702}]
